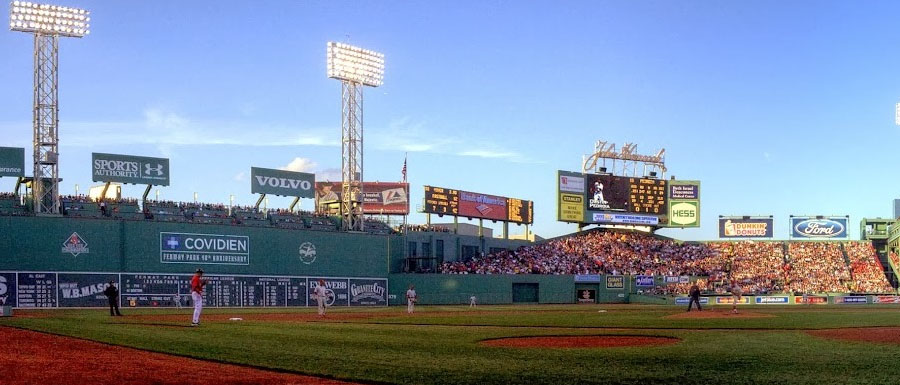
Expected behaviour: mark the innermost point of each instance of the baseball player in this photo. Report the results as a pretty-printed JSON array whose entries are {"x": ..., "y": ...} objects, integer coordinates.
[
  {"x": 736, "y": 293},
  {"x": 197, "y": 284},
  {"x": 321, "y": 296},
  {"x": 411, "y": 299},
  {"x": 695, "y": 297},
  {"x": 472, "y": 301}
]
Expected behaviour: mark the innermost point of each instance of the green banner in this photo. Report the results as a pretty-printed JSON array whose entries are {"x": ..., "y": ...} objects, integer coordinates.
[
  {"x": 684, "y": 203},
  {"x": 12, "y": 161},
  {"x": 282, "y": 183},
  {"x": 129, "y": 169}
]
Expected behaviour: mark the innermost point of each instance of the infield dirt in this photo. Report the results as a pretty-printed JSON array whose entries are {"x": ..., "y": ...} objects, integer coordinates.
[{"x": 28, "y": 357}]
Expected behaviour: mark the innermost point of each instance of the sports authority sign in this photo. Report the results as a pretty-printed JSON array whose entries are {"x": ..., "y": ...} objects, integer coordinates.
[
  {"x": 282, "y": 183},
  {"x": 12, "y": 161},
  {"x": 129, "y": 169},
  {"x": 210, "y": 249}
]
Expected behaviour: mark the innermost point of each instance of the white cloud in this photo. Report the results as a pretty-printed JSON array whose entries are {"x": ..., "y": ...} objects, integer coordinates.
[
  {"x": 329, "y": 175},
  {"x": 161, "y": 127},
  {"x": 241, "y": 177},
  {"x": 483, "y": 153},
  {"x": 300, "y": 165}
]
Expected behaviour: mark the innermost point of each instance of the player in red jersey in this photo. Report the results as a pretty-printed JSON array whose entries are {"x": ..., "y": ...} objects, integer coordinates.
[{"x": 197, "y": 284}]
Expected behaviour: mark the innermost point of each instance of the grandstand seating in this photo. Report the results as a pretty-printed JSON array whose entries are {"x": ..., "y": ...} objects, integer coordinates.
[
  {"x": 203, "y": 213},
  {"x": 760, "y": 267}
]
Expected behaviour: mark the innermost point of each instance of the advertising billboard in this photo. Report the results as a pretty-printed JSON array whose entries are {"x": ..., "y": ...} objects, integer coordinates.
[
  {"x": 129, "y": 169},
  {"x": 445, "y": 201},
  {"x": 746, "y": 227},
  {"x": 684, "y": 203},
  {"x": 391, "y": 198},
  {"x": 476, "y": 205},
  {"x": 12, "y": 161},
  {"x": 819, "y": 227},
  {"x": 282, "y": 183},
  {"x": 684, "y": 214},
  {"x": 570, "y": 196}
]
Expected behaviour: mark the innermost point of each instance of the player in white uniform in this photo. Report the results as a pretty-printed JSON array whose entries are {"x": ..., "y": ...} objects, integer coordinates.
[
  {"x": 321, "y": 296},
  {"x": 736, "y": 293},
  {"x": 411, "y": 299},
  {"x": 472, "y": 301}
]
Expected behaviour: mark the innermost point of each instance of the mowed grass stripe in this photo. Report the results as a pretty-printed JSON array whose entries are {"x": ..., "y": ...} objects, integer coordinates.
[{"x": 448, "y": 354}]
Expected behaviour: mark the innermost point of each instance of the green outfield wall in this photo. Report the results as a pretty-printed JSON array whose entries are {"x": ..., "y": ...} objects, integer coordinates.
[
  {"x": 72, "y": 244},
  {"x": 453, "y": 289}
]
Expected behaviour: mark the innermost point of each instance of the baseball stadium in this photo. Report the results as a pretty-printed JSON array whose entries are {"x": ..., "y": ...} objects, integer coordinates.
[{"x": 319, "y": 276}]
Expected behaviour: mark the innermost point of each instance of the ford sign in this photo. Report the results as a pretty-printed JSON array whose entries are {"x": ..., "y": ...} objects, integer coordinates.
[{"x": 819, "y": 228}]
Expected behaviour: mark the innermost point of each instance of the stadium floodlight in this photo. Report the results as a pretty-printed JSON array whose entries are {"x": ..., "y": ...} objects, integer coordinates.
[
  {"x": 48, "y": 19},
  {"x": 354, "y": 64},
  {"x": 355, "y": 67},
  {"x": 47, "y": 23}
]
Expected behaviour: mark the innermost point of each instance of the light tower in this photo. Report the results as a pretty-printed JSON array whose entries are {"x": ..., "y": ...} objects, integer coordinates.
[
  {"x": 354, "y": 67},
  {"x": 47, "y": 23}
]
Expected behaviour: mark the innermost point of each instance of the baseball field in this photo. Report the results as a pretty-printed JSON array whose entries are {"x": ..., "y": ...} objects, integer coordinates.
[{"x": 608, "y": 344}]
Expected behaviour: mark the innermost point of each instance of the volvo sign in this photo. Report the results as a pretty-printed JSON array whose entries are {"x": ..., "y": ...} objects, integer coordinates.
[{"x": 282, "y": 183}]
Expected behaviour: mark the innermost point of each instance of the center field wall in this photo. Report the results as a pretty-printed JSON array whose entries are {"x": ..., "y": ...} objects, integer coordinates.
[
  {"x": 454, "y": 289},
  {"x": 40, "y": 244}
]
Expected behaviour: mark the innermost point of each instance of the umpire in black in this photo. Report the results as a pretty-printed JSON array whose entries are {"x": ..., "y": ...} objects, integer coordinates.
[
  {"x": 112, "y": 294},
  {"x": 695, "y": 297}
]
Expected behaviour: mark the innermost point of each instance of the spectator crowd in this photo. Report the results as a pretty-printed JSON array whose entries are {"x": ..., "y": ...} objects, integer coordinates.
[{"x": 758, "y": 267}]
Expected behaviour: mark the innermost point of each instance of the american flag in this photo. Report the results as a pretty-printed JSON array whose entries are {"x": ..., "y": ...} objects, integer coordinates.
[{"x": 404, "y": 169}]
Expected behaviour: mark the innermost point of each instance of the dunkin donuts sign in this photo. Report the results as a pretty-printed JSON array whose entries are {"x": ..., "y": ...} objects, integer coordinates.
[{"x": 820, "y": 227}]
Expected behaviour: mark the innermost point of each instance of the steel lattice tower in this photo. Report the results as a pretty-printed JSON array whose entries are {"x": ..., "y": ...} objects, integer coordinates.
[
  {"x": 46, "y": 124},
  {"x": 47, "y": 23},
  {"x": 354, "y": 67},
  {"x": 352, "y": 156}
]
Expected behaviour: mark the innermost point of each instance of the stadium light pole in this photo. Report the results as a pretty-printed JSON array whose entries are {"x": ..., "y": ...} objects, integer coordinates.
[
  {"x": 47, "y": 23},
  {"x": 355, "y": 67}
]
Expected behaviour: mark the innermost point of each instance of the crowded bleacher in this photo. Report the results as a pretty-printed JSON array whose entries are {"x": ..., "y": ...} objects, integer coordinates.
[
  {"x": 759, "y": 267},
  {"x": 82, "y": 206}
]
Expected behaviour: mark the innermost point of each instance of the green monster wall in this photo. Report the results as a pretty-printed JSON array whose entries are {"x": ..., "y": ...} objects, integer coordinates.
[{"x": 39, "y": 244}]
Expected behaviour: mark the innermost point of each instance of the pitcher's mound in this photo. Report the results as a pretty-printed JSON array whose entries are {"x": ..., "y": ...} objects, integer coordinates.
[
  {"x": 876, "y": 335},
  {"x": 580, "y": 341},
  {"x": 717, "y": 315}
]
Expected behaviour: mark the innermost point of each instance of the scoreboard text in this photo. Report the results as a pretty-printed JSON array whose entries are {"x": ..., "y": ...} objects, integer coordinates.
[
  {"x": 647, "y": 196},
  {"x": 441, "y": 201}
]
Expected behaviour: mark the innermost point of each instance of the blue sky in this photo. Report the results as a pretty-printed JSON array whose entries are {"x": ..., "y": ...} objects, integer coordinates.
[{"x": 777, "y": 107}]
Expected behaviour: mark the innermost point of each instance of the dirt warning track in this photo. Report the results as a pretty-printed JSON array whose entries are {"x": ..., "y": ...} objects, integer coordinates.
[{"x": 29, "y": 357}]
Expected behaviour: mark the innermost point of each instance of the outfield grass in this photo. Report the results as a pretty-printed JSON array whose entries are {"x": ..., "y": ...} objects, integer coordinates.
[{"x": 440, "y": 345}]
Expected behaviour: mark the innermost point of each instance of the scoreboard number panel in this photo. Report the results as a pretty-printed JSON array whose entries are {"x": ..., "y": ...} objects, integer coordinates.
[
  {"x": 647, "y": 196},
  {"x": 441, "y": 201},
  {"x": 520, "y": 211}
]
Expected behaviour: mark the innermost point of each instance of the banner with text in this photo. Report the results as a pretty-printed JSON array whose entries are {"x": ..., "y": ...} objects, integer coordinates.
[
  {"x": 282, "y": 183},
  {"x": 129, "y": 169},
  {"x": 12, "y": 161},
  {"x": 739, "y": 227},
  {"x": 819, "y": 227},
  {"x": 378, "y": 197}
]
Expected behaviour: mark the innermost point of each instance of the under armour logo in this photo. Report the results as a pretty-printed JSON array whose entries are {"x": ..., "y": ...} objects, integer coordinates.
[{"x": 149, "y": 167}]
